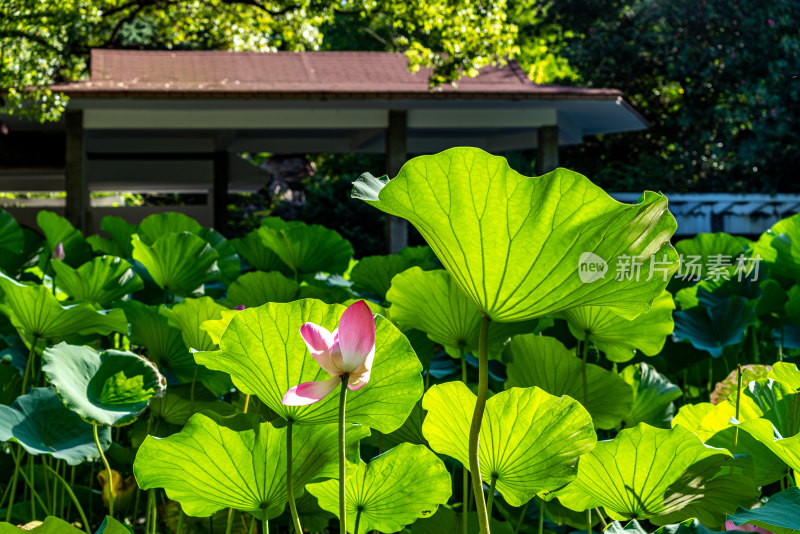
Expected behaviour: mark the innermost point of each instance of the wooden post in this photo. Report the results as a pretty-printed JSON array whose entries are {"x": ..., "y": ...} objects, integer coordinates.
[
  {"x": 396, "y": 227},
  {"x": 75, "y": 184},
  {"x": 219, "y": 193},
  {"x": 547, "y": 149}
]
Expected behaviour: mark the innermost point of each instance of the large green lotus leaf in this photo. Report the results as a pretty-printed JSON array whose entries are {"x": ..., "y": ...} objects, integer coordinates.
[
  {"x": 57, "y": 230},
  {"x": 179, "y": 263},
  {"x": 774, "y": 401},
  {"x": 710, "y": 328},
  {"x": 12, "y": 239},
  {"x": 432, "y": 302},
  {"x": 102, "y": 280},
  {"x": 14, "y": 264},
  {"x": 35, "y": 312},
  {"x": 712, "y": 424},
  {"x": 180, "y": 402},
  {"x": 257, "y": 288},
  {"x": 164, "y": 344},
  {"x": 120, "y": 242},
  {"x": 396, "y": 488},
  {"x": 238, "y": 463},
  {"x": 156, "y": 225},
  {"x": 785, "y": 448},
  {"x": 373, "y": 274},
  {"x": 410, "y": 432},
  {"x": 545, "y": 363},
  {"x": 306, "y": 248},
  {"x": 786, "y": 372},
  {"x": 109, "y": 388},
  {"x": 257, "y": 255},
  {"x": 781, "y": 513},
  {"x": 652, "y": 396},
  {"x": 50, "y": 525},
  {"x": 786, "y": 242},
  {"x": 230, "y": 266},
  {"x": 703, "y": 251},
  {"x": 665, "y": 476},
  {"x": 727, "y": 387},
  {"x": 516, "y": 245},
  {"x": 530, "y": 441},
  {"x": 41, "y": 423},
  {"x": 187, "y": 316},
  {"x": 620, "y": 338},
  {"x": 264, "y": 353}
]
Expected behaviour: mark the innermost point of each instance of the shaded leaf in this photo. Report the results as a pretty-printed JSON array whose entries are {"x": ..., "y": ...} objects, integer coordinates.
[
  {"x": 109, "y": 388},
  {"x": 41, "y": 424},
  {"x": 781, "y": 514},
  {"x": 714, "y": 327},
  {"x": 652, "y": 396},
  {"x": 57, "y": 230},
  {"x": 545, "y": 363},
  {"x": 178, "y": 263}
]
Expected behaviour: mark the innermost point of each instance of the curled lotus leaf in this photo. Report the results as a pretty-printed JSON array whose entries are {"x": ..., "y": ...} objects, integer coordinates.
[{"x": 110, "y": 388}]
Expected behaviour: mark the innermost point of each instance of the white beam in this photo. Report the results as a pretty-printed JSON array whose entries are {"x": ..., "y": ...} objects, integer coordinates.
[{"x": 481, "y": 117}]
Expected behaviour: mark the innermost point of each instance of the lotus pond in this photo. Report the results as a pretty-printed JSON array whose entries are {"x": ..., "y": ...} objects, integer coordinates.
[{"x": 549, "y": 363}]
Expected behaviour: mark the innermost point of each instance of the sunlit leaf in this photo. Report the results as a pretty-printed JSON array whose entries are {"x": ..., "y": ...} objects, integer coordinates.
[
  {"x": 396, "y": 488},
  {"x": 516, "y": 245},
  {"x": 620, "y": 338},
  {"x": 265, "y": 355},
  {"x": 102, "y": 280},
  {"x": 530, "y": 440},
  {"x": 238, "y": 463},
  {"x": 665, "y": 476},
  {"x": 35, "y": 312}
]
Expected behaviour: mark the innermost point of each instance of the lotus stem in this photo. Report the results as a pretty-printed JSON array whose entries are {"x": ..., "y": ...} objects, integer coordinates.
[
  {"x": 342, "y": 461},
  {"x": 738, "y": 397},
  {"x": 490, "y": 500},
  {"x": 289, "y": 490},
  {"x": 358, "y": 519},
  {"x": 29, "y": 365},
  {"x": 589, "y": 521},
  {"x": 72, "y": 497},
  {"x": 475, "y": 427},
  {"x": 17, "y": 460},
  {"x": 252, "y": 527},
  {"x": 600, "y": 515},
  {"x": 48, "y": 493},
  {"x": 542, "y": 507},
  {"x": 522, "y": 517},
  {"x": 35, "y": 497},
  {"x": 584, "y": 350},
  {"x": 108, "y": 470},
  {"x": 264, "y": 522},
  {"x": 464, "y": 470}
]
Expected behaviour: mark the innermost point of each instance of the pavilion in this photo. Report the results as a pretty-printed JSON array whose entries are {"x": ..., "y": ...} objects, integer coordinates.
[{"x": 174, "y": 121}]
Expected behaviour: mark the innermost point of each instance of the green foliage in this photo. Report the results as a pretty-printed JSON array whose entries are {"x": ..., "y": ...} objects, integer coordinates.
[
  {"x": 387, "y": 492},
  {"x": 512, "y": 451},
  {"x": 111, "y": 388}
]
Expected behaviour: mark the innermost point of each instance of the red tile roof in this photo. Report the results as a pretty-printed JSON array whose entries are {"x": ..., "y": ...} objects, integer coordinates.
[{"x": 201, "y": 74}]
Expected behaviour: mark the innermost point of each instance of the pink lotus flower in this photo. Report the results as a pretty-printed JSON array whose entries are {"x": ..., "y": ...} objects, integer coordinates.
[
  {"x": 58, "y": 253},
  {"x": 730, "y": 527},
  {"x": 346, "y": 354}
]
